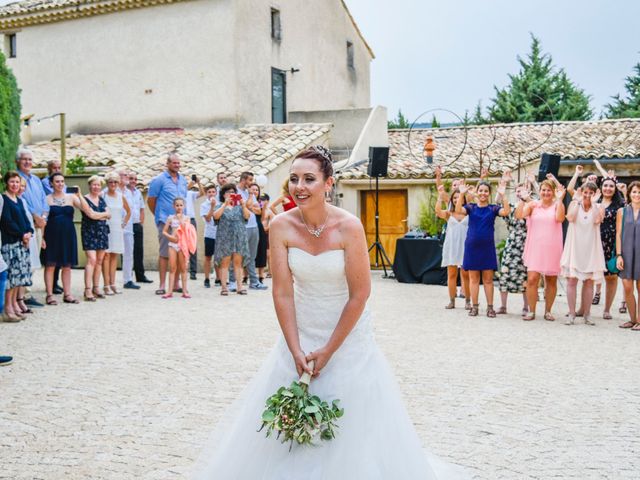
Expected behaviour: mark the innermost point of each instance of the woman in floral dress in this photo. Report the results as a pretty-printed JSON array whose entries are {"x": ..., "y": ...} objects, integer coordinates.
[{"x": 513, "y": 273}]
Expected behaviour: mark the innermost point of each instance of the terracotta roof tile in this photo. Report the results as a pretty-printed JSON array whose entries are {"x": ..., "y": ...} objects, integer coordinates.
[
  {"x": 500, "y": 145},
  {"x": 204, "y": 151}
]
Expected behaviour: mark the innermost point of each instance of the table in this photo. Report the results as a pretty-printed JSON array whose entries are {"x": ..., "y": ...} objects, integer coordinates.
[{"x": 418, "y": 260}]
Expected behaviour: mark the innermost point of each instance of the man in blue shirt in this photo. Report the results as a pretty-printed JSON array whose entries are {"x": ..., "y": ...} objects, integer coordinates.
[
  {"x": 163, "y": 189},
  {"x": 53, "y": 166},
  {"x": 36, "y": 200}
]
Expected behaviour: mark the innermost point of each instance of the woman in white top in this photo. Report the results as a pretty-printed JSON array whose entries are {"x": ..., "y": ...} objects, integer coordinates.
[
  {"x": 120, "y": 213},
  {"x": 453, "y": 248}
]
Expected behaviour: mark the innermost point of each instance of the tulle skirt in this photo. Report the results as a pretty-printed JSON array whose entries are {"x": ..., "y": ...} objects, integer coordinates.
[{"x": 376, "y": 439}]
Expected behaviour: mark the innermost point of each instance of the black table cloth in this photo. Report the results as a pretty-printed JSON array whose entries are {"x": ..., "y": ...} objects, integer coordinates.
[{"x": 418, "y": 260}]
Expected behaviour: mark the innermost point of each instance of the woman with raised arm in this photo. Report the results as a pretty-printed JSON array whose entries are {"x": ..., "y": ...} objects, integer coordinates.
[
  {"x": 321, "y": 283},
  {"x": 60, "y": 236},
  {"x": 628, "y": 252},
  {"x": 453, "y": 247},
  {"x": 285, "y": 199},
  {"x": 543, "y": 248},
  {"x": 513, "y": 273},
  {"x": 583, "y": 258},
  {"x": 612, "y": 201},
  {"x": 479, "y": 248}
]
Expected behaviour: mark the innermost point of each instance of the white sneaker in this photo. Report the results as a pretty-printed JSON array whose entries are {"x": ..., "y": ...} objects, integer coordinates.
[
  {"x": 588, "y": 321},
  {"x": 571, "y": 319}
]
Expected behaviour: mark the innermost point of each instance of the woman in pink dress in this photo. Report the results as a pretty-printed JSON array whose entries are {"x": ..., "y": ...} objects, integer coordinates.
[
  {"x": 543, "y": 248},
  {"x": 583, "y": 256}
]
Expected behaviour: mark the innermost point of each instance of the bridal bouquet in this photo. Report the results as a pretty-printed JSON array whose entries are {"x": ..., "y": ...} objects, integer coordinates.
[{"x": 298, "y": 416}]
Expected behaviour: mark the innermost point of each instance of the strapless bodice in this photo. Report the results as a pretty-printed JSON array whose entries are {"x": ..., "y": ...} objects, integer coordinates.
[{"x": 320, "y": 294}]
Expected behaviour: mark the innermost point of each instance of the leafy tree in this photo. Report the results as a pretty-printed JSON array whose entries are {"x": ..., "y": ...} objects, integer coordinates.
[
  {"x": 538, "y": 87},
  {"x": 435, "y": 123},
  {"x": 9, "y": 116},
  {"x": 628, "y": 107},
  {"x": 399, "y": 122}
]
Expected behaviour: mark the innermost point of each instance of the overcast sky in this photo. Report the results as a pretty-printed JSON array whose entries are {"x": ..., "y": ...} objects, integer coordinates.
[{"x": 450, "y": 53}]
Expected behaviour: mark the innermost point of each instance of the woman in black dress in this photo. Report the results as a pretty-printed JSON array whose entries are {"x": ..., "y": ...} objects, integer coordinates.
[
  {"x": 612, "y": 200},
  {"x": 261, "y": 255},
  {"x": 16, "y": 234},
  {"x": 95, "y": 238},
  {"x": 60, "y": 241}
]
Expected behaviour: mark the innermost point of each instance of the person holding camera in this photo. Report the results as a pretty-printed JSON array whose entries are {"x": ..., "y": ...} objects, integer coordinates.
[
  {"x": 231, "y": 236},
  {"x": 195, "y": 190},
  {"x": 59, "y": 242}
]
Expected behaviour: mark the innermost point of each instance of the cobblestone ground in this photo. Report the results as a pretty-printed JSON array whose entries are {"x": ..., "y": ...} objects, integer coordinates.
[{"x": 131, "y": 386}]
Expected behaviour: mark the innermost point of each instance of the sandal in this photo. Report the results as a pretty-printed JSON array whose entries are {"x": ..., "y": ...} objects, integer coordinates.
[
  {"x": 607, "y": 316},
  {"x": 623, "y": 307},
  {"x": 50, "y": 300},
  {"x": 115, "y": 290},
  {"x": 69, "y": 299},
  {"x": 596, "y": 299},
  {"x": 529, "y": 316},
  {"x": 491, "y": 313},
  {"x": 23, "y": 306},
  {"x": 502, "y": 311},
  {"x": 186, "y": 295},
  {"x": 628, "y": 325},
  {"x": 88, "y": 298},
  {"x": 242, "y": 291},
  {"x": 467, "y": 304},
  {"x": 96, "y": 292},
  {"x": 473, "y": 311},
  {"x": 167, "y": 295},
  {"x": 160, "y": 291},
  {"x": 549, "y": 317},
  {"x": 224, "y": 292},
  {"x": 571, "y": 319},
  {"x": 636, "y": 327},
  {"x": 588, "y": 321},
  {"x": 107, "y": 291},
  {"x": 451, "y": 305}
]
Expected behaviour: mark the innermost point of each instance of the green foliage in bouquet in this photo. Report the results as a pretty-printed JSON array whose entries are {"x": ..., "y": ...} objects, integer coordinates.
[{"x": 297, "y": 416}]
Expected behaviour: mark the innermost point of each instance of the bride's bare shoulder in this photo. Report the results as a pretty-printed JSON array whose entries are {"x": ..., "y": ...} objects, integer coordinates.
[
  {"x": 282, "y": 221},
  {"x": 345, "y": 219}
]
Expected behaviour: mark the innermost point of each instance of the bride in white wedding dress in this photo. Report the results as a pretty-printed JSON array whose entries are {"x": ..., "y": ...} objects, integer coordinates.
[{"x": 321, "y": 283}]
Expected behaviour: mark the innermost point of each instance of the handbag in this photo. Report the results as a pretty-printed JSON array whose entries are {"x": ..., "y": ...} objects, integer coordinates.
[{"x": 612, "y": 263}]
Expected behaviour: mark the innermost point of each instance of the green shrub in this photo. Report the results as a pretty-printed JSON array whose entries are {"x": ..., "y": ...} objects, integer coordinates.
[{"x": 9, "y": 116}]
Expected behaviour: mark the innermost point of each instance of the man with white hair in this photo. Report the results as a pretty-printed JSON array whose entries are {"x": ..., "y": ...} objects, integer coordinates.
[{"x": 36, "y": 200}]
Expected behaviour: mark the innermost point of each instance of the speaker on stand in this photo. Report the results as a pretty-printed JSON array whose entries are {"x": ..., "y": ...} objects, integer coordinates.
[
  {"x": 549, "y": 163},
  {"x": 378, "y": 163}
]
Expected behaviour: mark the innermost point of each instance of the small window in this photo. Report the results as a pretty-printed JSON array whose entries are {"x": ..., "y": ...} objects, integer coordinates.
[
  {"x": 276, "y": 27},
  {"x": 11, "y": 45},
  {"x": 350, "y": 62}
]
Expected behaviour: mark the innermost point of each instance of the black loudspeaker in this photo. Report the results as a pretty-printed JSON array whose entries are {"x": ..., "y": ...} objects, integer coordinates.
[
  {"x": 548, "y": 164},
  {"x": 378, "y": 161}
]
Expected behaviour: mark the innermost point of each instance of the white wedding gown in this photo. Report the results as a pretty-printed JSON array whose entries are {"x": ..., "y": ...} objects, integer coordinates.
[{"x": 375, "y": 439}]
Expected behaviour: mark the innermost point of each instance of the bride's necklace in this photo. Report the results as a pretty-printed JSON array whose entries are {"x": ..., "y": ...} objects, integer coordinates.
[
  {"x": 316, "y": 232},
  {"x": 60, "y": 202}
]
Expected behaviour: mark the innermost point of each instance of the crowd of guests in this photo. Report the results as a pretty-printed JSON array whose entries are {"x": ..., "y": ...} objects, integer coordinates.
[
  {"x": 600, "y": 247},
  {"x": 37, "y": 233}
]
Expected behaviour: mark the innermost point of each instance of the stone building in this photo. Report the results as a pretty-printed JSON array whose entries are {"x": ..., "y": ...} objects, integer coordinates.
[{"x": 114, "y": 65}]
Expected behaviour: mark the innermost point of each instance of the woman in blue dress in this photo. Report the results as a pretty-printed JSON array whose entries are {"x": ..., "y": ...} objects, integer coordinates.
[{"x": 479, "y": 249}]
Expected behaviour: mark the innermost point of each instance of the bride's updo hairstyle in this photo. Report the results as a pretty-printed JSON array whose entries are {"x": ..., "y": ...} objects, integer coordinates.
[{"x": 320, "y": 154}]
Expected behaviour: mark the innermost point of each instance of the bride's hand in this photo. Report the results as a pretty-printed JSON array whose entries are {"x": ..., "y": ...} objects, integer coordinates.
[
  {"x": 321, "y": 357},
  {"x": 301, "y": 363}
]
